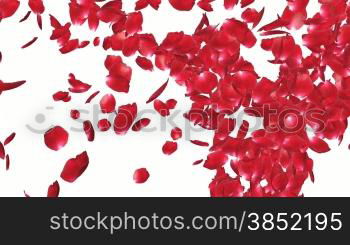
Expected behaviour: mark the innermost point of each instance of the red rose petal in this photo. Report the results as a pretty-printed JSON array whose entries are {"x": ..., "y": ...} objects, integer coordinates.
[
  {"x": 25, "y": 17},
  {"x": 198, "y": 162},
  {"x": 53, "y": 190},
  {"x": 176, "y": 133},
  {"x": 158, "y": 92},
  {"x": 104, "y": 125},
  {"x": 133, "y": 23},
  {"x": 10, "y": 86},
  {"x": 171, "y": 104},
  {"x": 2, "y": 151},
  {"x": 75, "y": 114},
  {"x": 140, "y": 124},
  {"x": 318, "y": 145},
  {"x": 9, "y": 139},
  {"x": 89, "y": 130},
  {"x": 144, "y": 63},
  {"x": 91, "y": 97},
  {"x": 141, "y": 175},
  {"x": 182, "y": 5},
  {"x": 8, "y": 8},
  {"x": 108, "y": 103},
  {"x": 75, "y": 167},
  {"x": 161, "y": 108},
  {"x": 7, "y": 162},
  {"x": 125, "y": 118},
  {"x": 200, "y": 143},
  {"x": 215, "y": 160},
  {"x": 169, "y": 147},
  {"x": 56, "y": 138},
  {"x": 77, "y": 86}
]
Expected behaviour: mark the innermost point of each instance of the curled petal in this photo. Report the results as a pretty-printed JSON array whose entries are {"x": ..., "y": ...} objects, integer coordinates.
[
  {"x": 200, "y": 143},
  {"x": 158, "y": 92},
  {"x": 140, "y": 124},
  {"x": 89, "y": 130},
  {"x": 9, "y": 139}
]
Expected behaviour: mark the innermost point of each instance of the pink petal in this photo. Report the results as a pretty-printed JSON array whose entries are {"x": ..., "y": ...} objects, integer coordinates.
[{"x": 53, "y": 190}]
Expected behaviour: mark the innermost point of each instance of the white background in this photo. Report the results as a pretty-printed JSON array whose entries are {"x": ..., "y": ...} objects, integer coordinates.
[{"x": 113, "y": 159}]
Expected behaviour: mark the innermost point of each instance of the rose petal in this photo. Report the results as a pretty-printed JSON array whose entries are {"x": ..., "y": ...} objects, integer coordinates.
[
  {"x": 89, "y": 130},
  {"x": 140, "y": 124},
  {"x": 169, "y": 147},
  {"x": 56, "y": 138},
  {"x": 108, "y": 103},
  {"x": 104, "y": 125},
  {"x": 141, "y": 176},
  {"x": 53, "y": 190},
  {"x": 75, "y": 167},
  {"x": 158, "y": 92},
  {"x": 176, "y": 133}
]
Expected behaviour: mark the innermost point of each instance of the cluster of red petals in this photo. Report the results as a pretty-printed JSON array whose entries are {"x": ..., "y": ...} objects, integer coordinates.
[{"x": 219, "y": 81}]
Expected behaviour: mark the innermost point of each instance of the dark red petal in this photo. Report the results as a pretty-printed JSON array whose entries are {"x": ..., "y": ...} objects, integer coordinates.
[
  {"x": 89, "y": 130},
  {"x": 125, "y": 118},
  {"x": 53, "y": 190},
  {"x": 7, "y": 162},
  {"x": 104, "y": 125},
  {"x": 158, "y": 92},
  {"x": 108, "y": 103},
  {"x": 9, "y": 86},
  {"x": 200, "y": 143},
  {"x": 56, "y": 138},
  {"x": 141, "y": 176},
  {"x": 75, "y": 114},
  {"x": 75, "y": 167},
  {"x": 140, "y": 124},
  {"x": 9, "y": 139},
  {"x": 198, "y": 162},
  {"x": 2, "y": 151},
  {"x": 91, "y": 97},
  {"x": 25, "y": 17},
  {"x": 169, "y": 147},
  {"x": 176, "y": 133}
]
